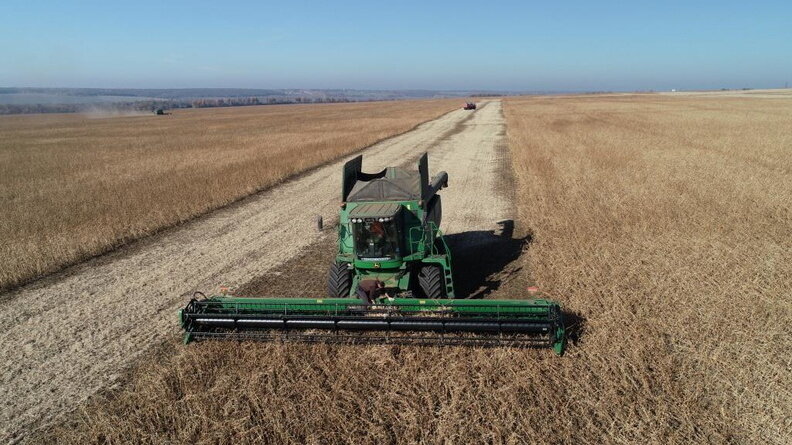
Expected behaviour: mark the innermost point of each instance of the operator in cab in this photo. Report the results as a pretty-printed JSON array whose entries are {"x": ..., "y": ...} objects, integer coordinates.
[{"x": 375, "y": 240}]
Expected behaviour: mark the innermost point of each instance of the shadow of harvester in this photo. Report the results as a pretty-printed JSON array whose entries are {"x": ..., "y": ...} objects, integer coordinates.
[
  {"x": 485, "y": 259},
  {"x": 482, "y": 259}
]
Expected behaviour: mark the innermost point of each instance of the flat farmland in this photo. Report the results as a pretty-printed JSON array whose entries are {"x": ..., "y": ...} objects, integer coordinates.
[
  {"x": 71, "y": 334},
  {"x": 665, "y": 224},
  {"x": 662, "y": 223},
  {"x": 73, "y": 186}
]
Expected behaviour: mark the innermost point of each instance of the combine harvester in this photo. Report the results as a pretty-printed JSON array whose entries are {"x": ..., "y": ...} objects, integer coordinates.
[{"x": 388, "y": 234}]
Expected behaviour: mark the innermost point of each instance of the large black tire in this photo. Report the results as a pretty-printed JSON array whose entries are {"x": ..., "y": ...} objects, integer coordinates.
[
  {"x": 432, "y": 281},
  {"x": 339, "y": 280}
]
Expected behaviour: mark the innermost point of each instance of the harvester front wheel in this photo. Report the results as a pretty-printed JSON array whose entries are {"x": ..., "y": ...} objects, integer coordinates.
[
  {"x": 339, "y": 281},
  {"x": 432, "y": 281}
]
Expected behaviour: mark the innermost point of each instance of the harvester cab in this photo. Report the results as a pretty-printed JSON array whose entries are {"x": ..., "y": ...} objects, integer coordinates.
[{"x": 389, "y": 230}]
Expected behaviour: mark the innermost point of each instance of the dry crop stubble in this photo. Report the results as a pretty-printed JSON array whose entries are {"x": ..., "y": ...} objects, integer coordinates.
[
  {"x": 72, "y": 186},
  {"x": 666, "y": 222},
  {"x": 662, "y": 222}
]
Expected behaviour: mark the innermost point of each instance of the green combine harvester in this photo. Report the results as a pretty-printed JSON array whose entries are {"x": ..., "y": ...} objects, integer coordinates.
[{"x": 391, "y": 282}]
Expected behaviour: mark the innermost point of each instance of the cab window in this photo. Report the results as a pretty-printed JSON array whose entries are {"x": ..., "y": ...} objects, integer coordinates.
[{"x": 376, "y": 240}]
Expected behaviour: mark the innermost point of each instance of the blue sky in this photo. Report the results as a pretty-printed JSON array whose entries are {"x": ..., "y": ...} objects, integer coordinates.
[{"x": 514, "y": 45}]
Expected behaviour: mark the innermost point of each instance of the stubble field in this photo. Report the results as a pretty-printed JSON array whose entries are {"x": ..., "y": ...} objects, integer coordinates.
[{"x": 664, "y": 225}]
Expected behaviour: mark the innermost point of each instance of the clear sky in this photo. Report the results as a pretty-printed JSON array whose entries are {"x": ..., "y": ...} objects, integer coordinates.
[{"x": 397, "y": 44}]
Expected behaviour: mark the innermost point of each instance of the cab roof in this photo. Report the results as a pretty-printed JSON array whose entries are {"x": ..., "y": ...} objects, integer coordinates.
[{"x": 375, "y": 210}]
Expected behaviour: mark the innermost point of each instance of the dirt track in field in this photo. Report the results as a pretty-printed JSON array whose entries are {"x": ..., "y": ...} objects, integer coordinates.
[{"x": 75, "y": 333}]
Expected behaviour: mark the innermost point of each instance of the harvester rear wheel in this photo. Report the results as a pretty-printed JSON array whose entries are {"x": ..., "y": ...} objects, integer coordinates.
[
  {"x": 432, "y": 281},
  {"x": 339, "y": 281}
]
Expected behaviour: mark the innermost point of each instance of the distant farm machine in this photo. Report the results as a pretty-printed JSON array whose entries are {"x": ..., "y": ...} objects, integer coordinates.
[{"x": 392, "y": 281}]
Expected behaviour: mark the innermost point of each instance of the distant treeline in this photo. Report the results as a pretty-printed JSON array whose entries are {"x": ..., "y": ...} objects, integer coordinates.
[
  {"x": 152, "y": 105},
  {"x": 243, "y": 101}
]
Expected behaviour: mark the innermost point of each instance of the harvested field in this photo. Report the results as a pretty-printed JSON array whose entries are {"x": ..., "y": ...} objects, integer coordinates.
[
  {"x": 663, "y": 223},
  {"x": 74, "y": 186}
]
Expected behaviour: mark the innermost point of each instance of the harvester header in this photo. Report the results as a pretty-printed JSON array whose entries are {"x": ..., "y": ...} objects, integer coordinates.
[{"x": 523, "y": 323}]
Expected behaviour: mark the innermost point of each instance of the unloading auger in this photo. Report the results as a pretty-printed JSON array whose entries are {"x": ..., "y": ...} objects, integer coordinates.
[{"x": 388, "y": 234}]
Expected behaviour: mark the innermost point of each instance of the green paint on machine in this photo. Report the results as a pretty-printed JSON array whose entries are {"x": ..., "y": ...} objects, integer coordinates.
[
  {"x": 389, "y": 230},
  {"x": 536, "y": 323}
]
